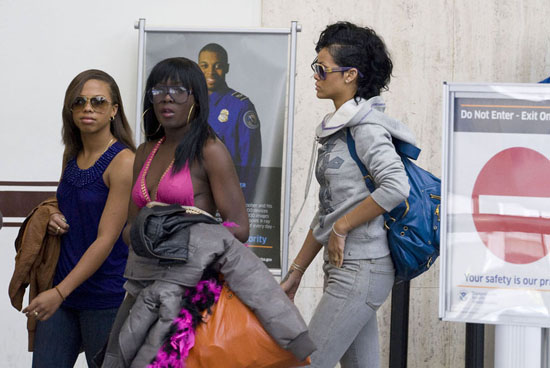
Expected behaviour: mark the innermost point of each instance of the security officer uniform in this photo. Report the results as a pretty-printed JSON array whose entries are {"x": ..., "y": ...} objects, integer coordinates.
[{"x": 235, "y": 121}]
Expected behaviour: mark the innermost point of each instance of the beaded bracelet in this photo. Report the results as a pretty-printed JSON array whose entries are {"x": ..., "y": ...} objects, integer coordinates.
[
  {"x": 59, "y": 292},
  {"x": 336, "y": 233}
]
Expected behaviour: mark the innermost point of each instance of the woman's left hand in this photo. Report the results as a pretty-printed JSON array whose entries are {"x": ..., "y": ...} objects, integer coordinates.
[
  {"x": 335, "y": 249},
  {"x": 44, "y": 305}
]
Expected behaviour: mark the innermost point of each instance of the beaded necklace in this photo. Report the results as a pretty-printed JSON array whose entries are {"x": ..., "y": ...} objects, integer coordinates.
[{"x": 143, "y": 183}]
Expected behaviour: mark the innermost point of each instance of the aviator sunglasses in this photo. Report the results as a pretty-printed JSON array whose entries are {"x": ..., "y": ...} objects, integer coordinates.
[
  {"x": 98, "y": 103},
  {"x": 322, "y": 70},
  {"x": 179, "y": 94}
]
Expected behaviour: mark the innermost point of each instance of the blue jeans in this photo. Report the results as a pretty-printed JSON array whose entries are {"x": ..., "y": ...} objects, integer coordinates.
[
  {"x": 58, "y": 341},
  {"x": 344, "y": 325}
]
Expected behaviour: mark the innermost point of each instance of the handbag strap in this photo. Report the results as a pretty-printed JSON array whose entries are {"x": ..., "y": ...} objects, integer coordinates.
[
  {"x": 353, "y": 153},
  {"x": 406, "y": 149}
]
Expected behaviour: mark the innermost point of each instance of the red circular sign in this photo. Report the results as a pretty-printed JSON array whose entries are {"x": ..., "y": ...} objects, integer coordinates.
[{"x": 517, "y": 173}]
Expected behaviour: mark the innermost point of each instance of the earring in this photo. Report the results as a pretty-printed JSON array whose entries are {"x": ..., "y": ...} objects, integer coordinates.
[
  {"x": 143, "y": 125},
  {"x": 155, "y": 132},
  {"x": 190, "y": 111},
  {"x": 145, "y": 112},
  {"x": 112, "y": 119}
]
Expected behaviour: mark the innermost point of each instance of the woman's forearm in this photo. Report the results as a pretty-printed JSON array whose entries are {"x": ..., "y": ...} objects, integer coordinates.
[
  {"x": 88, "y": 264},
  {"x": 309, "y": 250},
  {"x": 367, "y": 210}
]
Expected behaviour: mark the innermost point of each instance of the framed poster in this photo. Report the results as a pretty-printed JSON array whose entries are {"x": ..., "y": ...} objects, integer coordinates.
[
  {"x": 495, "y": 240},
  {"x": 247, "y": 74}
]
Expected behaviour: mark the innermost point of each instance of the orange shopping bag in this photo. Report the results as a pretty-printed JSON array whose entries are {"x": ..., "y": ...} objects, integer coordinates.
[{"x": 234, "y": 338}]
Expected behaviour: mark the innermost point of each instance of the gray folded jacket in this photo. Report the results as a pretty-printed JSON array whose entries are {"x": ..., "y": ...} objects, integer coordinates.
[
  {"x": 163, "y": 232},
  {"x": 246, "y": 275}
]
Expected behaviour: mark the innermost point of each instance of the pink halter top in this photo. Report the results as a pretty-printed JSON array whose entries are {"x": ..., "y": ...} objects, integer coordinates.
[{"x": 172, "y": 188}]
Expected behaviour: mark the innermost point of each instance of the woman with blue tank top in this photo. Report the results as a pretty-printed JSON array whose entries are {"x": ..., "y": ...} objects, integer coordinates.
[{"x": 78, "y": 312}]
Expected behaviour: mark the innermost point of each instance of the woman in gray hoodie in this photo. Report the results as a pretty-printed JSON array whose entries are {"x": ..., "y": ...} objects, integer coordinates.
[{"x": 352, "y": 68}]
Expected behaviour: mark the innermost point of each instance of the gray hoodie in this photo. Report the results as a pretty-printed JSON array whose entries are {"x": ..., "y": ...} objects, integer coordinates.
[{"x": 342, "y": 185}]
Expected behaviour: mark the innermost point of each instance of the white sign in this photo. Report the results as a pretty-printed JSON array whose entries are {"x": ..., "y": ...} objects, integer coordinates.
[{"x": 495, "y": 262}]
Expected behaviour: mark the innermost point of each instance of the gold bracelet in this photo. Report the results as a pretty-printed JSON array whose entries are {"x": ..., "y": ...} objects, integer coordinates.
[
  {"x": 298, "y": 268},
  {"x": 59, "y": 292},
  {"x": 336, "y": 233}
]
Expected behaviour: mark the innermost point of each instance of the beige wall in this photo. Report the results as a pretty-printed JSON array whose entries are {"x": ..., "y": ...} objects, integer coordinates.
[
  {"x": 431, "y": 41},
  {"x": 43, "y": 45}
]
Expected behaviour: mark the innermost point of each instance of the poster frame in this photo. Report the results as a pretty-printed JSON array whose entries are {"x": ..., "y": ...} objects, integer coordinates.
[
  {"x": 288, "y": 130},
  {"x": 527, "y": 91}
]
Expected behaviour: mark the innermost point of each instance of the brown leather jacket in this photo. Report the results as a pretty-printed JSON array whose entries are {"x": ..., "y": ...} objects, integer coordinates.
[{"x": 36, "y": 259}]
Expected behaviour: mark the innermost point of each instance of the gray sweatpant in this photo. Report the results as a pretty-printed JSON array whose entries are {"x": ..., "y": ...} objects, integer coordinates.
[{"x": 344, "y": 325}]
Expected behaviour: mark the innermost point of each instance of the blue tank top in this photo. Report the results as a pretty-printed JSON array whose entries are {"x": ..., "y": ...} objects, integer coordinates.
[{"x": 81, "y": 196}]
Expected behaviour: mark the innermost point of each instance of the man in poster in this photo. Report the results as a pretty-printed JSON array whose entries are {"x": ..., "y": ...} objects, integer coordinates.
[{"x": 233, "y": 118}]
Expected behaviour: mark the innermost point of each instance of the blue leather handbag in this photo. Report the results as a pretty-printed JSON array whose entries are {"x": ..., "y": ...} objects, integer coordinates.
[{"x": 413, "y": 226}]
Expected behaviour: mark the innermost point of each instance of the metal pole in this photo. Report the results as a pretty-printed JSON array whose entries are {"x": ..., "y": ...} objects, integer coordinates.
[
  {"x": 545, "y": 359},
  {"x": 139, "y": 95},
  {"x": 399, "y": 330},
  {"x": 219, "y": 30},
  {"x": 289, "y": 141},
  {"x": 475, "y": 336}
]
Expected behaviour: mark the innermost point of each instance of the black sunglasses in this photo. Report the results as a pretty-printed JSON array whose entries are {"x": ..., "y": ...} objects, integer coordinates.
[
  {"x": 322, "y": 70},
  {"x": 98, "y": 103}
]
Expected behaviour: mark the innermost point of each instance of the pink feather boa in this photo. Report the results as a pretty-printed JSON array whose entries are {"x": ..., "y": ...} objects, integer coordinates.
[{"x": 175, "y": 350}]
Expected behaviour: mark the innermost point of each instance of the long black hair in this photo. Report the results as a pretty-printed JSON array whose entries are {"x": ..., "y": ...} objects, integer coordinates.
[
  {"x": 361, "y": 48},
  {"x": 187, "y": 72},
  {"x": 119, "y": 125}
]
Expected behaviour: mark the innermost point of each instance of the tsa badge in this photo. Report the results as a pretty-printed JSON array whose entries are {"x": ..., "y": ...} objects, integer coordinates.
[
  {"x": 224, "y": 115},
  {"x": 251, "y": 120}
]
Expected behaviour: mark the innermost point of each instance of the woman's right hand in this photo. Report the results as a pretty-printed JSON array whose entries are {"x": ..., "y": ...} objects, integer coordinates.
[
  {"x": 44, "y": 305},
  {"x": 291, "y": 282},
  {"x": 57, "y": 225}
]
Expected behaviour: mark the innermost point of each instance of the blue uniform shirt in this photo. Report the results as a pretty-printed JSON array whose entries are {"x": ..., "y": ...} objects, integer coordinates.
[{"x": 235, "y": 121}]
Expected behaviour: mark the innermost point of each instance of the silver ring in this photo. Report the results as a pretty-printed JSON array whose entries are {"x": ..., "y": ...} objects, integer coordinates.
[{"x": 57, "y": 230}]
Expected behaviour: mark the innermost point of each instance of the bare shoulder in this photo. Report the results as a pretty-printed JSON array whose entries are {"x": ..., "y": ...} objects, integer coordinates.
[
  {"x": 214, "y": 150},
  {"x": 124, "y": 159},
  {"x": 120, "y": 169}
]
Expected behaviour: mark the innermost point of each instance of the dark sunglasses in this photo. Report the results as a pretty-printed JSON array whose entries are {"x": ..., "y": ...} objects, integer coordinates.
[
  {"x": 98, "y": 103},
  {"x": 179, "y": 94},
  {"x": 322, "y": 70}
]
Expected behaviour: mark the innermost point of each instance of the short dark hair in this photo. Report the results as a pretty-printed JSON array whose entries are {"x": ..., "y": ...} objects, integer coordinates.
[
  {"x": 119, "y": 125},
  {"x": 218, "y": 49},
  {"x": 187, "y": 72},
  {"x": 361, "y": 48}
]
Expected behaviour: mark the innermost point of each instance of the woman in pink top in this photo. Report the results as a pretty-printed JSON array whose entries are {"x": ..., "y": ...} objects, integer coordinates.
[{"x": 182, "y": 160}]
